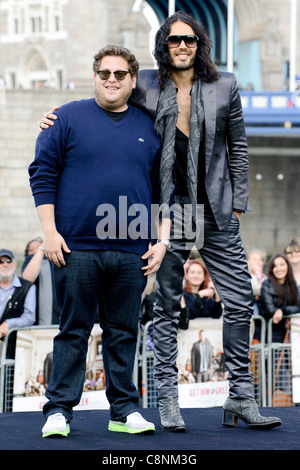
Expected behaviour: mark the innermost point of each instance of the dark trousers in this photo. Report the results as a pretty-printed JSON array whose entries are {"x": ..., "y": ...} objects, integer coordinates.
[
  {"x": 114, "y": 279},
  {"x": 225, "y": 259}
]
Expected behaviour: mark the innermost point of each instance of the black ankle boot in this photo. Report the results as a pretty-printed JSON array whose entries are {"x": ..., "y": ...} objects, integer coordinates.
[
  {"x": 246, "y": 409},
  {"x": 170, "y": 416}
]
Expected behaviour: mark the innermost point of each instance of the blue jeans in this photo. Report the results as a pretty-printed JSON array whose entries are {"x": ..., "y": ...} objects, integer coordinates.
[{"x": 114, "y": 281}]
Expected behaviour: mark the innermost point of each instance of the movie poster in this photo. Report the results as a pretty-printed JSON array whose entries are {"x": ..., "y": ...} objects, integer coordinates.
[
  {"x": 202, "y": 375},
  {"x": 33, "y": 366},
  {"x": 295, "y": 346}
]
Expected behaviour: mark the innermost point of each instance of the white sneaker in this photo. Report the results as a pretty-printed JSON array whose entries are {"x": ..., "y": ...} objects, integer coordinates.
[
  {"x": 134, "y": 424},
  {"x": 56, "y": 425}
]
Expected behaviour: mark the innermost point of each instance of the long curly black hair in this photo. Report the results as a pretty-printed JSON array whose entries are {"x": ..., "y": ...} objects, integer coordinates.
[
  {"x": 204, "y": 68},
  {"x": 287, "y": 293}
]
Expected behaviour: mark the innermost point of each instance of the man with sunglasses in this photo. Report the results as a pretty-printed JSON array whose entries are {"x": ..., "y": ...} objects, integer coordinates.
[
  {"x": 204, "y": 165},
  {"x": 101, "y": 154},
  {"x": 17, "y": 300}
]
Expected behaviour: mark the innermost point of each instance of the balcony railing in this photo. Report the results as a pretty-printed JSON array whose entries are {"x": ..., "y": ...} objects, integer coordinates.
[{"x": 271, "y": 112}]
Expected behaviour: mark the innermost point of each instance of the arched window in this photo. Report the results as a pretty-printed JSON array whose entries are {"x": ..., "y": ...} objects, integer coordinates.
[{"x": 36, "y": 74}]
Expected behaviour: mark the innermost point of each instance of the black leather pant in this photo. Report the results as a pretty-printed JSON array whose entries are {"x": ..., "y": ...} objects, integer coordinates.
[{"x": 225, "y": 259}]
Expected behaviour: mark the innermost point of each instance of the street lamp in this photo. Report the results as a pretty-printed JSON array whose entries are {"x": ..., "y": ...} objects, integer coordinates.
[
  {"x": 230, "y": 27},
  {"x": 171, "y": 7},
  {"x": 293, "y": 26}
]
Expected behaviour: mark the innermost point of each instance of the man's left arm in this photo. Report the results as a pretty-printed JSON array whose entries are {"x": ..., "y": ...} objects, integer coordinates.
[
  {"x": 28, "y": 316},
  {"x": 157, "y": 251},
  {"x": 238, "y": 152}
]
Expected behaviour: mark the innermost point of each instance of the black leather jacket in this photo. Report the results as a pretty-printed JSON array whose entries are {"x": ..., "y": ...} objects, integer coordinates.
[
  {"x": 226, "y": 153},
  {"x": 145, "y": 95},
  {"x": 268, "y": 306}
]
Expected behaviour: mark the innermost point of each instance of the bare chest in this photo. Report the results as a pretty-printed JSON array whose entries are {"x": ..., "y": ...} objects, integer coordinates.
[{"x": 184, "y": 111}]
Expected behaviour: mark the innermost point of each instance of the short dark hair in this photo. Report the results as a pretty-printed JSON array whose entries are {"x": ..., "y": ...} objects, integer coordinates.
[
  {"x": 204, "y": 68},
  {"x": 119, "y": 51}
]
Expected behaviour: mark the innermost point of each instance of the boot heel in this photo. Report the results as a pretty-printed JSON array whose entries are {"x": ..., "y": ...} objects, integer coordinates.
[{"x": 229, "y": 419}]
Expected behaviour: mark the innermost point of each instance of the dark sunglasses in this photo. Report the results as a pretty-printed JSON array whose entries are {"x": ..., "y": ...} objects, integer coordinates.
[
  {"x": 190, "y": 40},
  {"x": 8, "y": 261},
  {"x": 119, "y": 74},
  {"x": 292, "y": 250}
]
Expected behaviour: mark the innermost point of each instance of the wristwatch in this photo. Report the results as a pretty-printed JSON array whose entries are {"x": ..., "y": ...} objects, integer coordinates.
[{"x": 165, "y": 242}]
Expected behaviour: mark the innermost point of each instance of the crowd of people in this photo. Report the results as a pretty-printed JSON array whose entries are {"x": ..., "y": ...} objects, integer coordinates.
[
  {"x": 29, "y": 298},
  {"x": 276, "y": 290}
]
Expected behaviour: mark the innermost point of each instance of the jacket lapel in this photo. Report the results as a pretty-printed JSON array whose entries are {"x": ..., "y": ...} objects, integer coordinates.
[{"x": 210, "y": 106}]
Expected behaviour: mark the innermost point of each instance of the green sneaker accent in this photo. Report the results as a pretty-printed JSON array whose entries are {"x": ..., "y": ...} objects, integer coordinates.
[
  {"x": 134, "y": 424},
  {"x": 58, "y": 433},
  {"x": 122, "y": 427}
]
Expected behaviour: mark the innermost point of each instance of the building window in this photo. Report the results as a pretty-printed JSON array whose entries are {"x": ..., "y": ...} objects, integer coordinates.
[
  {"x": 16, "y": 24},
  {"x": 34, "y": 17},
  {"x": 60, "y": 79},
  {"x": 13, "y": 80},
  {"x": 36, "y": 24},
  {"x": 57, "y": 23}
]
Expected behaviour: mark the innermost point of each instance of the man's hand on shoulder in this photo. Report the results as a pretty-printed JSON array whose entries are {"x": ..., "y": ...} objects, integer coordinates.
[{"x": 48, "y": 118}]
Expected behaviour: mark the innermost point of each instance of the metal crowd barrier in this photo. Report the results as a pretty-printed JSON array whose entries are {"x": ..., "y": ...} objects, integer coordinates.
[
  {"x": 280, "y": 370},
  {"x": 271, "y": 367},
  {"x": 258, "y": 360},
  {"x": 148, "y": 383},
  {"x": 6, "y": 375},
  {"x": 146, "y": 362}
]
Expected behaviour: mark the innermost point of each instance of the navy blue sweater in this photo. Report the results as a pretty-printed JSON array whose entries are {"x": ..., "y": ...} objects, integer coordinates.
[{"x": 86, "y": 164}]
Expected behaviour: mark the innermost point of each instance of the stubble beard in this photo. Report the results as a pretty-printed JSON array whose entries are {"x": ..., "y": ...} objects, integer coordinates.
[
  {"x": 182, "y": 66},
  {"x": 6, "y": 277}
]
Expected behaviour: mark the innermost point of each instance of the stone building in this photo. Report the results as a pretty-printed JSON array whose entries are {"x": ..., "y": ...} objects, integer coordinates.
[{"x": 46, "y": 55}]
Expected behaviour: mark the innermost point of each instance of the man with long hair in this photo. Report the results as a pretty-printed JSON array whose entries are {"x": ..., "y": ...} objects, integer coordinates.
[
  {"x": 198, "y": 115},
  {"x": 204, "y": 164}
]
